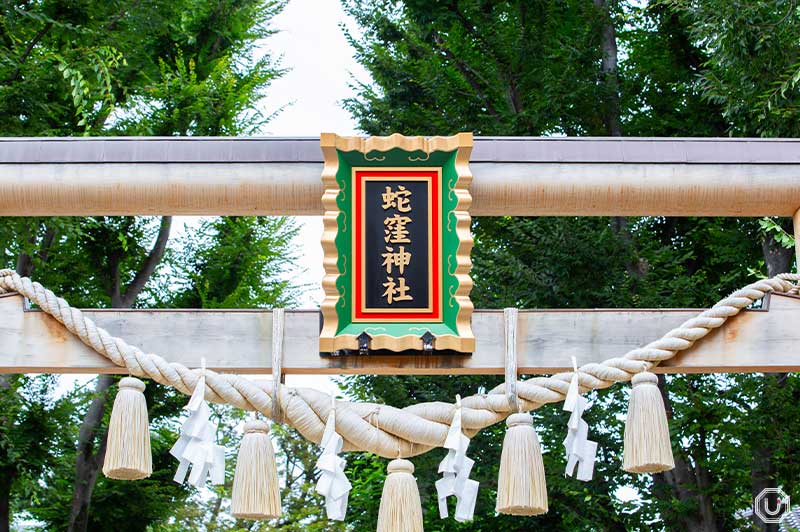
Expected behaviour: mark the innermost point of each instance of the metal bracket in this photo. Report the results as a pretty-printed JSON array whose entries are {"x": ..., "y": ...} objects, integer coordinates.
[
  {"x": 363, "y": 343},
  {"x": 428, "y": 340}
]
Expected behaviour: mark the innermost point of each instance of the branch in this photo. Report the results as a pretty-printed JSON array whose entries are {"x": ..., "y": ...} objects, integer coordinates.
[
  {"x": 129, "y": 6},
  {"x": 512, "y": 93},
  {"x": 47, "y": 243},
  {"x": 473, "y": 32},
  {"x": 467, "y": 72},
  {"x": 27, "y": 53},
  {"x": 94, "y": 416},
  {"x": 25, "y": 261},
  {"x": 214, "y": 512},
  {"x": 156, "y": 254}
]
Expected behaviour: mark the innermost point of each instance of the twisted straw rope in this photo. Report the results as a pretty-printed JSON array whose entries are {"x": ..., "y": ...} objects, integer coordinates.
[{"x": 382, "y": 429}]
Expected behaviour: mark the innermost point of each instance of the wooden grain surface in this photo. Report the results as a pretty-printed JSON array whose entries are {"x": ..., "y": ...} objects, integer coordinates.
[
  {"x": 240, "y": 341},
  {"x": 295, "y": 188}
]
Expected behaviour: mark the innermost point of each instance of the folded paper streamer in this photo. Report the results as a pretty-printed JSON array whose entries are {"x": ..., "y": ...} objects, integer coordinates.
[
  {"x": 455, "y": 469},
  {"x": 580, "y": 451},
  {"x": 333, "y": 483},
  {"x": 196, "y": 445}
]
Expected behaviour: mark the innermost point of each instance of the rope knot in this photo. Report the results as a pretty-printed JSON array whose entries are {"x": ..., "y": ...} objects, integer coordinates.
[
  {"x": 133, "y": 383},
  {"x": 400, "y": 465},
  {"x": 256, "y": 425},
  {"x": 644, "y": 378},
  {"x": 519, "y": 419}
]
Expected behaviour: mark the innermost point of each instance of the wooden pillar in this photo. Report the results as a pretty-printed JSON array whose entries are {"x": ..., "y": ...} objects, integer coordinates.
[{"x": 797, "y": 238}]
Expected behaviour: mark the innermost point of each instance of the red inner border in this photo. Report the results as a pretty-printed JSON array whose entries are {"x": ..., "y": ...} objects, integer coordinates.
[{"x": 434, "y": 217}]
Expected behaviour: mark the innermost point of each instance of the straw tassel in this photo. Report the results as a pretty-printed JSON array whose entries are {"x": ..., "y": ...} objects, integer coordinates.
[
  {"x": 401, "y": 509},
  {"x": 647, "y": 444},
  {"x": 128, "y": 449},
  {"x": 521, "y": 487},
  {"x": 256, "y": 494}
]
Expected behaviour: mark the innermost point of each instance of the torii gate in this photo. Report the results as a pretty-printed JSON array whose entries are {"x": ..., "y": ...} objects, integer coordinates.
[{"x": 512, "y": 176}]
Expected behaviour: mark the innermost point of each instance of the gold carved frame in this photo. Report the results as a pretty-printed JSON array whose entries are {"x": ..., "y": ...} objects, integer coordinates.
[{"x": 462, "y": 144}]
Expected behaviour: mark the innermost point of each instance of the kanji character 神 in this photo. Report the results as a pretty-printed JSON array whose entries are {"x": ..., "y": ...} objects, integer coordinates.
[{"x": 401, "y": 258}]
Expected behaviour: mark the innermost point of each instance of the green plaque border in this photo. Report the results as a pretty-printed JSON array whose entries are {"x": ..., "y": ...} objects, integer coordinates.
[{"x": 451, "y": 154}]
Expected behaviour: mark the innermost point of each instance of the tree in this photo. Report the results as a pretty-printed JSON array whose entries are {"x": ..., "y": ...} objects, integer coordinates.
[
  {"x": 30, "y": 424},
  {"x": 245, "y": 262},
  {"x": 752, "y": 74},
  {"x": 147, "y": 67},
  {"x": 235, "y": 262},
  {"x": 123, "y": 293},
  {"x": 591, "y": 68},
  {"x": 754, "y": 68},
  {"x": 120, "y": 68}
]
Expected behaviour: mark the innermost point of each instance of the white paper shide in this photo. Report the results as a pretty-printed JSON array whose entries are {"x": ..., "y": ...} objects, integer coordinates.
[
  {"x": 455, "y": 469},
  {"x": 196, "y": 445},
  {"x": 333, "y": 483},
  {"x": 580, "y": 451}
]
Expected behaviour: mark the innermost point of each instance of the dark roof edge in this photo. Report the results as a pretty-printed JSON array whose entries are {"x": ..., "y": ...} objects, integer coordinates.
[{"x": 609, "y": 150}]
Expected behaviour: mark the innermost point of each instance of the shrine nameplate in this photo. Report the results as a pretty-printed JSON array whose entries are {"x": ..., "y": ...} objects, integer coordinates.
[{"x": 397, "y": 242}]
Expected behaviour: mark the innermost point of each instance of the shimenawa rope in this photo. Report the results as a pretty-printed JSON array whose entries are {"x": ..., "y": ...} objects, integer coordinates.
[{"x": 412, "y": 430}]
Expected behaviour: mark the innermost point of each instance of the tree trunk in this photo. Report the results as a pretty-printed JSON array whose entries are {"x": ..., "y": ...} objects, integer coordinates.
[
  {"x": 89, "y": 461},
  {"x": 612, "y": 123},
  {"x": 24, "y": 267},
  {"x": 212, "y": 520},
  {"x": 6, "y": 478},
  {"x": 686, "y": 483},
  {"x": 762, "y": 468},
  {"x": 777, "y": 258},
  {"x": 609, "y": 69},
  {"x": 762, "y": 476}
]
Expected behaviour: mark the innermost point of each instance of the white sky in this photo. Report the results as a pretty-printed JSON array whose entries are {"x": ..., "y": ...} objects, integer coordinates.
[{"x": 312, "y": 44}]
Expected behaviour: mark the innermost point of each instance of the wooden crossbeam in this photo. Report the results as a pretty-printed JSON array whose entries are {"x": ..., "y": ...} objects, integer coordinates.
[
  {"x": 239, "y": 341},
  {"x": 512, "y": 176},
  {"x": 515, "y": 176}
]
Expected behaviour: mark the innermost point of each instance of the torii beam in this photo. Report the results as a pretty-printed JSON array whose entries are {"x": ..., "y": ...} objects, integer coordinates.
[
  {"x": 512, "y": 176},
  {"x": 515, "y": 176},
  {"x": 240, "y": 341}
]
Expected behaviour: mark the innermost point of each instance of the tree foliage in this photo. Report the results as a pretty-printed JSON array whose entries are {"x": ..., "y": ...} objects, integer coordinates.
[
  {"x": 754, "y": 69},
  {"x": 145, "y": 67},
  {"x": 495, "y": 67},
  {"x": 599, "y": 68},
  {"x": 188, "y": 67}
]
